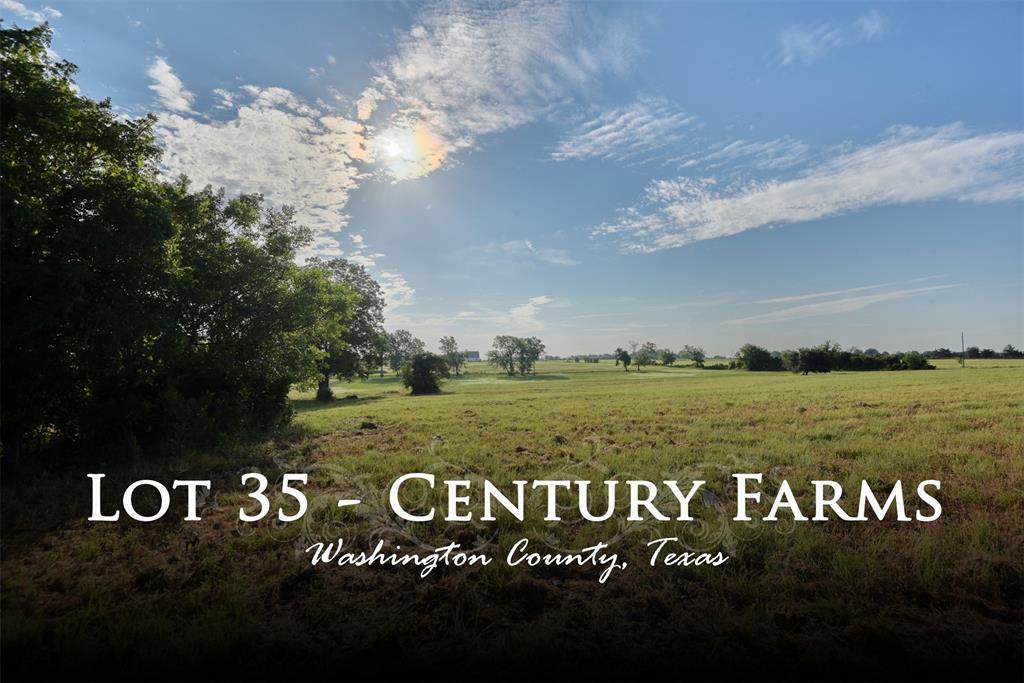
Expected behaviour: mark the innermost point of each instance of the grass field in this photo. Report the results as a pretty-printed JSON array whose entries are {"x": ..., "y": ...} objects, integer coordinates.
[{"x": 831, "y": 594}]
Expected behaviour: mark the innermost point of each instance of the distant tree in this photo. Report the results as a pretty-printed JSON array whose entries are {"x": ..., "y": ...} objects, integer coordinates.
[
  {"x": 402, "y": 346},
  {"x": 618, "y": 355},
  {"x": 451, "y": 353},
  {"x": 694, "y": 353},
  {"x": 622, "y": 356},
  {"x": 816, "y": 359},
  {"x": 973, "y": 352},
  {"x": 667, "y": 357},
  {"x": 379, "y": 355},
  {"x": 1010, "y": 352},
  {"x": 791, "y": 360},
  {"x": 503, "y": 353},
  {"x": 423, "y": 373},
  {"x": 988, "y": 353},
  {"x": 528, "y": 352},
  {"x": 871, "y": 352},
  {"x": 757, "y": 359},
  {"x": 915, "y": 361},
  {"x": 644, "y": 355}
]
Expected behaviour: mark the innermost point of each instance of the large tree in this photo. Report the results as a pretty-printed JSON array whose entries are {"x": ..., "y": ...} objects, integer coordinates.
[
  {"x": 357, "y": 353},
  {"x": 252, "y": 323},
  {"x": 503, "y": 353},
  {"x": 83, "y": 237},
  {"x": 528, "y": 351},
  {"x": 135, "y": 311}
]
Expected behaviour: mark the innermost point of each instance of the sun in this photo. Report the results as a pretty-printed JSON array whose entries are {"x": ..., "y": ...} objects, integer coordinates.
[{"x": 409, "y": 151}]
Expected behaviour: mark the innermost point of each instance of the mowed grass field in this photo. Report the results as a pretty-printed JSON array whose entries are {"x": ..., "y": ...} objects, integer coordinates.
[{"x": 935, "y": 598}]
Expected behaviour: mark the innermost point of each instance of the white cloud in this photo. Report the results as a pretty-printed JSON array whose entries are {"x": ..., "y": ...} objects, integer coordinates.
[
  {"x": 646, "y": 127},
  {"x": 871, "y": 26},
  {"x": 38, "y": 16},
  {"x": 171, "y": 93},
  {"x": 397, "y": 291},
  {"x": 290, "y": 152},
  {"x": 273, "y": 144},
  {"x": 837, "y": 292},
  {"x": 805, "y": 44},
  {"x": 772, "y": 155},
  {"x": 909, "y": 165},
  {"x": 833, "y": 307},
  {"x": 518, "y": 319},
  {"x": 225, "y": 99},
  {"x": 466, "y": 70},
  {"x": 527, "y": 249},
  {"x": 475, "y": 326}
]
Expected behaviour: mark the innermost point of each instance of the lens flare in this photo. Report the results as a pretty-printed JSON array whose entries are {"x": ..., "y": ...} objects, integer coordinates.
[{"x": 409, "y": 151}]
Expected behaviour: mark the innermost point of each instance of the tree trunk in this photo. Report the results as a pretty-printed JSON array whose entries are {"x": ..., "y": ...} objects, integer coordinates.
[{"x": 323, "y": 391}]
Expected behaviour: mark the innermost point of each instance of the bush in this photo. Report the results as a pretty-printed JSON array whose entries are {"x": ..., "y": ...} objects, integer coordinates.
[
  {"x": 817, "y": 359},
  {"x": 424, "y": 372},
  {"x": 756, "y": 358},
  {"x": 915, "y": 361}
]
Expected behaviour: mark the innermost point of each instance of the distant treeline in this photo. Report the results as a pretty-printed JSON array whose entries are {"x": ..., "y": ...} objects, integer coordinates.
[
  {"x": 825, "y": 357},
  {"x": 829, "y": 356},
  {"x": 974, "y": 352}
]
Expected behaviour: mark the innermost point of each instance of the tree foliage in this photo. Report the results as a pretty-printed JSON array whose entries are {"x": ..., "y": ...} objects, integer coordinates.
[
  {"x": 423, "y": 373},
  {"x": 451, "y": 353},
  {"x": 357, "y": 352},
  {"x": 401, "y": 347},
  {"x": 515, "y": 354},
  {"x": 138, "y": 312},
  {"x": 694, "y": 353},
  {"x": 756, "y": 358},
  {"x": 645, "y": 354}
]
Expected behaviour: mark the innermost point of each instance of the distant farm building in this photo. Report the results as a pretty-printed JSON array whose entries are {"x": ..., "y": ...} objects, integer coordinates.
[{"x": 473, "y": 356}]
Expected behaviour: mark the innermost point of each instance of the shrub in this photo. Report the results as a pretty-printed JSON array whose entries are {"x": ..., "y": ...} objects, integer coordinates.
[
  {"x": 423, "y": 373},
  {"x": 915, "y": 361},
  {"x": 817, "y": 359},
  {"x": 756, "y": 358}
]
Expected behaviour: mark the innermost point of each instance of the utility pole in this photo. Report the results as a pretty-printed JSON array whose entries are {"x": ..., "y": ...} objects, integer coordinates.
[{"x": 963, "y": 351}]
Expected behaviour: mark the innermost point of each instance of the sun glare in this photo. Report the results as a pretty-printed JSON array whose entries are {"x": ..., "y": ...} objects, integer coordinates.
[{"x": 409, "y": 151}]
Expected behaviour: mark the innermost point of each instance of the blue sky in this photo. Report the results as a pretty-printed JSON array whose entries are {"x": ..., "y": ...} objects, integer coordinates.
[{"x": 685, "y": 173}]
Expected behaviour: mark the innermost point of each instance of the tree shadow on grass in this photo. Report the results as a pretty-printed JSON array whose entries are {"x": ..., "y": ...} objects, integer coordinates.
[{"x": 310, "y": 405}]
